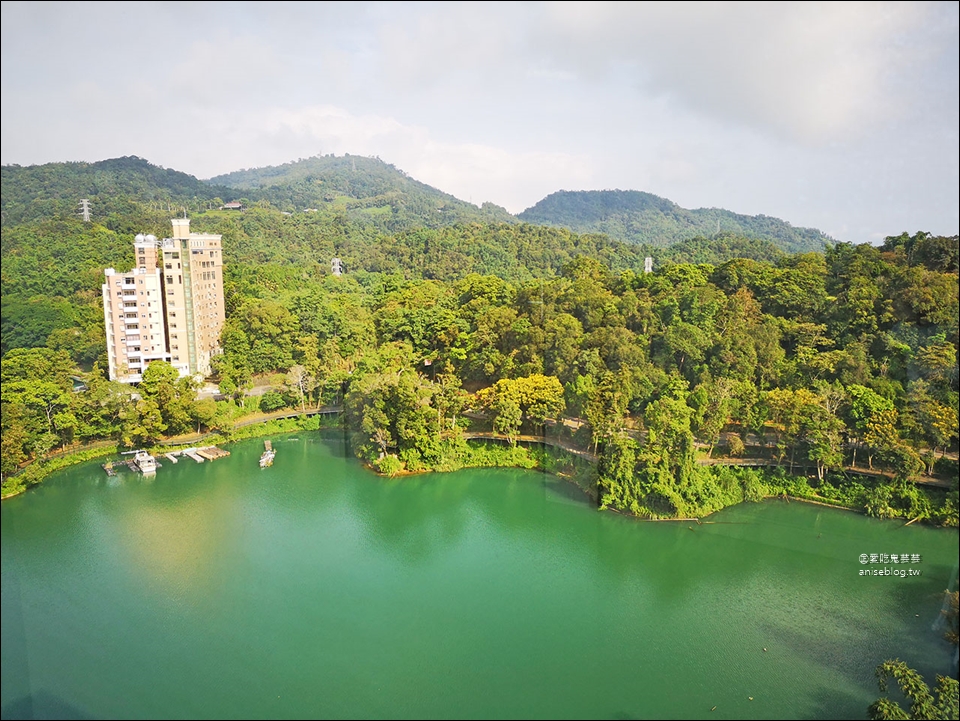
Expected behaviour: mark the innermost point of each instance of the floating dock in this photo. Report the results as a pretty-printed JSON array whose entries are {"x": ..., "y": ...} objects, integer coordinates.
[
  {"x": 143, "y": 462},
  {"x": 212, "y": 453},
  {"x": 207, "y": 453}
]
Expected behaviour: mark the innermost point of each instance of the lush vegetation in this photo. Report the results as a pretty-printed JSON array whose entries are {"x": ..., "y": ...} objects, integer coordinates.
[
  {"x": 817, "y": 362},
  {"x": 365, "y": 190},
  {"x": 636, "y": 217},
  {"x": 43, "y": 192},
  {"x": 941, "y": 703}
]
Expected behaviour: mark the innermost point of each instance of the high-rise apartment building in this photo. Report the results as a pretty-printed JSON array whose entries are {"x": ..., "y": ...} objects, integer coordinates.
[
  {"x": 193, "y": 290},
  {"x": 184, "y": 311},
  {"x": 134, "y": 317}
]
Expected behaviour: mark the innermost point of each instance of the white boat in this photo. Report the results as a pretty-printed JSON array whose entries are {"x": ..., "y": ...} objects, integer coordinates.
[
  {"x": 145, "y": 463},
  {"x": 268, "y": 455}
]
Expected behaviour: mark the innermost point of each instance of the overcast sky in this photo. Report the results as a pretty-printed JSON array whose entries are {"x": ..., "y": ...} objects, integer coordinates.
[{"x": 839, "y": 116}]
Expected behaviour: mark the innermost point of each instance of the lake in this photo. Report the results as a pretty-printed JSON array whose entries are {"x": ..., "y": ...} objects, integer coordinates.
[{"x": 315, "y": 588}]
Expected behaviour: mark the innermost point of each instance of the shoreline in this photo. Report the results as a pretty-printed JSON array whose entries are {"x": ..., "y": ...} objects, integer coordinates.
[
  {"x": 294, "y": 424},
  {"x": 99, "y": 450}
]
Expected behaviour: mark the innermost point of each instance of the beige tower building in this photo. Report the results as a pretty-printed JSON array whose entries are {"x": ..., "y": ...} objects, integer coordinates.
[
  {"x": 134, "y": 319},
  {"x": 180, "y": 308},
  {"x": 193, "y": 291}
]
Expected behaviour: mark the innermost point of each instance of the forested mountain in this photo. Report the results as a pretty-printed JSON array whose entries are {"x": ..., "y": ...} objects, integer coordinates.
[
  {"x": 636, "y": 217},
  {"x": 367, "y": 189},
  {"x": 53, "y": 190},
  {"x": 370, "y": 193}
]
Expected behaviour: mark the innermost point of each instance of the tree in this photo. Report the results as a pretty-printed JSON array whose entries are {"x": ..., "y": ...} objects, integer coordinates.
[
  {"x": 712, "y": 401},
  {"x": 173, "y": 395},
  {"x": 952, "y": 615},
  {"x": 669, "y": 449},
  {"x": 271, "y": 401},
  {"x": 299, "y": 378},
  {"x": 606, "y": 405},
  {"x": 866, "y": 414},
  {"x": 615, "y": 473},
  {"x": 204, "y": 412},
  {"x": 923, "y": 703},
  {"x": 535, "y": 397},
  {"x": 504, "y": 400}
]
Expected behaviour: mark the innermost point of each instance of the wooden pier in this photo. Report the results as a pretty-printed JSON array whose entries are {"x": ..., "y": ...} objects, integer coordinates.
[
  {"x": 207, "y": 453},
  {"x": 212, "y": 453}
]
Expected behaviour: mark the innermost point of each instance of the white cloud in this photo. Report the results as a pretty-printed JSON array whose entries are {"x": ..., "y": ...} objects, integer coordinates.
[
  {"x": 837, "y": 115},
  {"x": 811, "y": 71},
  {"x": 471, "y": 171}
]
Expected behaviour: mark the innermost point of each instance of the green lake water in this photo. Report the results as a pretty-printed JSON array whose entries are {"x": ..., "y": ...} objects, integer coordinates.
[{"x": 317, "y": 589}]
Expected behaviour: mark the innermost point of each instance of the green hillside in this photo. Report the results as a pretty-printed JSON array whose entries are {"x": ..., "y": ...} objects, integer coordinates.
[
  {"x": 368, "y": 190},
  {"x": 53, "y": 190},
  {"x": 636, "y": 217}
]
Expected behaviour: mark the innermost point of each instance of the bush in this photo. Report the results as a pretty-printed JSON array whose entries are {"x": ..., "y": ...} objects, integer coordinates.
[
  {"x": 272, "y": 401},
  {"x": 388, "y": 465}
]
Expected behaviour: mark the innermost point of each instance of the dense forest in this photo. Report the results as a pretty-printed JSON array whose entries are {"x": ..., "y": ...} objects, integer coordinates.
[
  {"x": 646, "y": 219},
  {"x": 367, "y": 190},
  {"x": 818, "y": 362}
]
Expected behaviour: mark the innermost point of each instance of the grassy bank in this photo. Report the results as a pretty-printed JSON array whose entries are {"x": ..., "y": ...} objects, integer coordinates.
[{"x": 36, "y": 472}]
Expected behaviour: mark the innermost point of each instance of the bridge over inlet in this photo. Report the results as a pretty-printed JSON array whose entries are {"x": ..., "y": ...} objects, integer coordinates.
[{"x": 543, "y": 440}]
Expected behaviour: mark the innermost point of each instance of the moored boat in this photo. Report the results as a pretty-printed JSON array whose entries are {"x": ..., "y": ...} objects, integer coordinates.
[
  {"x": 145, "y": 463},
  {"x": 268, "y": 455}
]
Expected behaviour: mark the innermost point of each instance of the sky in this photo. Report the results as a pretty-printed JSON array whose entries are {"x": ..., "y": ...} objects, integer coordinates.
[{"x": 838, "y": 116}]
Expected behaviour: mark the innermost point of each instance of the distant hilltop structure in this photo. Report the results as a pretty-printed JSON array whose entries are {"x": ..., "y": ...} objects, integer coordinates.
[
  {"x": 173, "y": 313},
  {"x": 336, "y": 267}
]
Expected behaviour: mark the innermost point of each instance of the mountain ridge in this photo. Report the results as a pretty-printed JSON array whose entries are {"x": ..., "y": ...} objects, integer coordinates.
[
  {"x": 373, "y": 193},
  {"x": 639, "y": 217}
]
